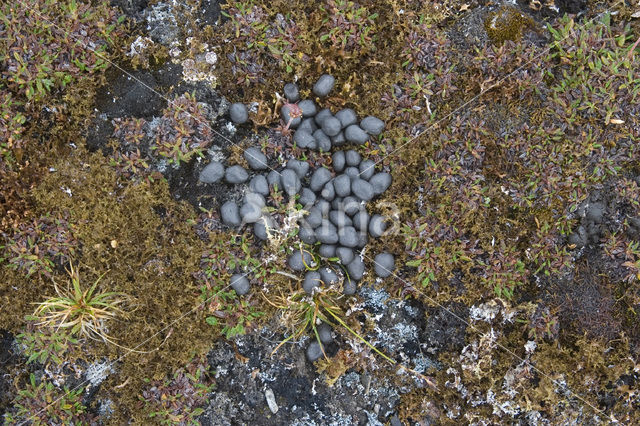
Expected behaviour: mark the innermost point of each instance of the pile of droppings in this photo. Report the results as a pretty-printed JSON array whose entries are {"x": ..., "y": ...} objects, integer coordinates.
[{"x": 333, "y": 223}]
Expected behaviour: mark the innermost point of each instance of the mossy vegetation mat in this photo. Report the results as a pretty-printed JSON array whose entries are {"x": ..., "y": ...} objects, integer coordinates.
[{"x": 511, "y": 134}]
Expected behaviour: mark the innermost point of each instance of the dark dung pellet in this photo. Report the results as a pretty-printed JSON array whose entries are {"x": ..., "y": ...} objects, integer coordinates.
[
  {"x": 384, "y": 264},
  {"x": 308, "y": 108},
  {"x": 259, "y": 184},
  {"x": 240, "y": 284},
  {"x": 372, "y": 125},
  {"x": 356, "y": 268},
  {"x": 299, "y": 260},
  {"x": 300, "y": 167},
  {"x": 324, "y": 85},
  {"x": 367, "y": 169},
  {"x": 236, "y": 174},
  {"x": 238, "y": 113},
  {"x": 319, "y": 178},
  {"x": 291, "y": 92},
  {"x": 290, "y": 182},
  {"x": 347, "y": 117},
  {"x": 255, "y": 158},
  {"x": 355, "y": 134},
  {"x": 380, "y": 182},
  {"x": 327, "y": 251},
  {"x": 212, "y": 173},
  {"x": 230, "y": 214},
  {"x": 362, "y": 189},
  {"x": 338, "y": 161},
  {"x": 311, "y": 280},
  {"x": 353, "y": 158}
]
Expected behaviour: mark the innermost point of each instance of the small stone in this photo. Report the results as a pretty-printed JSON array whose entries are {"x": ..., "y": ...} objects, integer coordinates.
[
  {"x": 314, "y": 351},
  {"x": 356, "y": 268},
  {"x": 240, "y": 284},
  {"x": 327, "y": 251},
  {"x": 367, "y": 169},
  {"x": 290, "y": 182},
  {"x": 319, "y": 178},
  {"x": 298, "y": 259},
  {"x": 308, "y": 108},
  {"x": 348, "y": 236},
  {"x": 331, "y": 126},
  {"x": 212, "y": 173},
  {"x": 324, "y": 85},
  {"x": 372, "y": 125},
  {"x": 271, "y": 401},
  {"x": 342, "y": 185},
  {"x": 291, "y": 92},
  {"x": 339, "y": 218},
  {"x": 238, "y": 113},
  {"x": 362, "y": 189},
  {"x": 355, "y": 134},
  {"x": 323, "y": 143},
  {"x": 285, "y": 114},
  {"x": 347, "y": 117},
  {"x": 380, "y": 182},
  {"x": 259, "y": 185},
  {"x": 327, "y": 233},
  {"x": 353, "y": 158},
  {"x": 236, "y": 174},
  {"x": 338, "y": 161},
  {"x": 349, "y": 287},
  {"x": 328, "y": 276},
  {"x": 300, "y": 167},
  {"x": 325, "y": 333},
  {"x": 230, "y": 214},
  {"x": 339, "y": 139},
  {"x": 384, "y": 264},
  {"x": 255, "y": 158},
  {"x": 304, "y": 139},
  {"x": 274, "y": 180},
  {"x": 321, "y": 115},
  {"x": 377, "y": 226},
  {"x": 328, "y": 191},
  {"x": 307, "y": 235},
  {"x": 361, "y": 220},
  {"x": 311, "y": 281},
  {"x": 345, "y": 254},
  {"x": 307, "y": 197}
]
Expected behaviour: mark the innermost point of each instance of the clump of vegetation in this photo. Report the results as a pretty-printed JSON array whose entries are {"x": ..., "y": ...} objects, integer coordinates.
[
  {"x": 83, "y": 312},
  {"x": 39, "y": 402},
  {"x": 36, "y": 247},
  {"x": 183, "y": 131},
  {"x": 46, "y": 344},
  {"x": 348, "y": 27},
  {"x": 262, "y": 39},
  {"x": 39, "y": 42},
  {"x": 179, "y": 399}
]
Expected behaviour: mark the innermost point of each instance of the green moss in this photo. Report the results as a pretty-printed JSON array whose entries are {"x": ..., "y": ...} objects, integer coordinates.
[{"x": 506, "y": 23}]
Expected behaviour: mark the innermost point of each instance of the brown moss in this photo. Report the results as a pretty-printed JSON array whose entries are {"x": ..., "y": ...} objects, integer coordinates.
[{"x": 140, "y": 238}]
